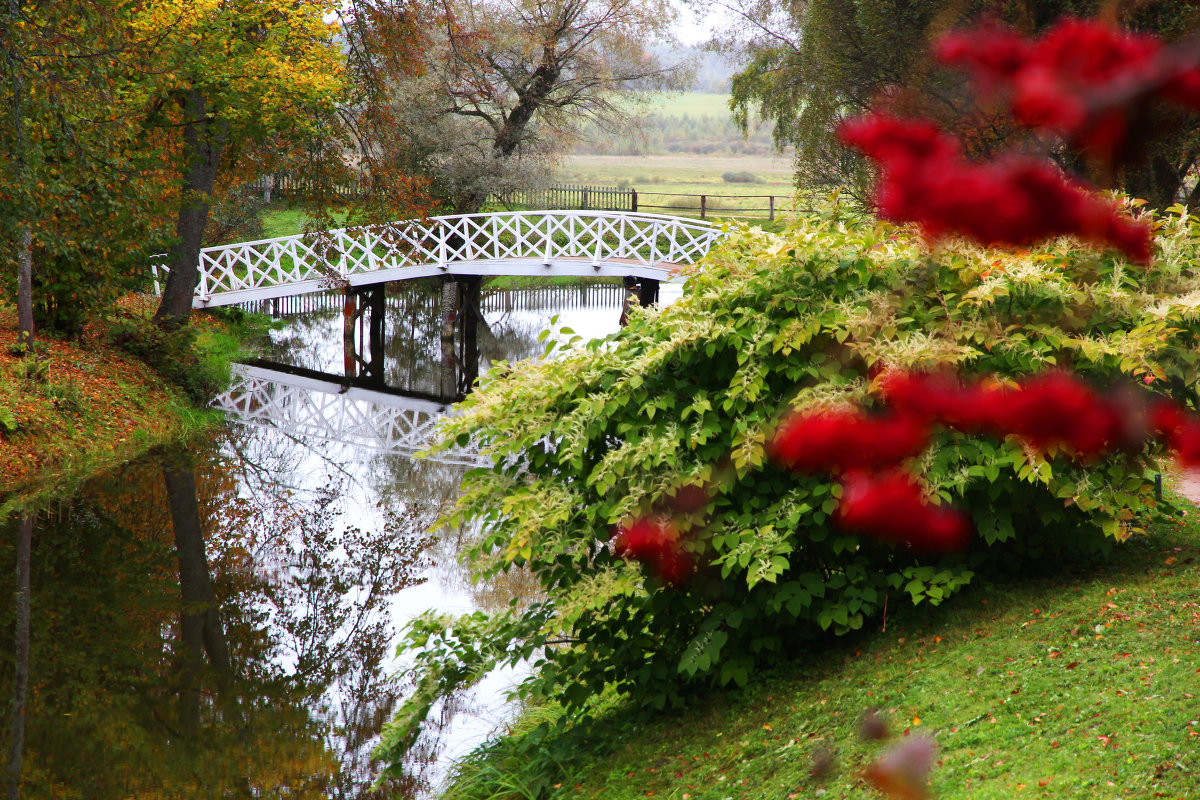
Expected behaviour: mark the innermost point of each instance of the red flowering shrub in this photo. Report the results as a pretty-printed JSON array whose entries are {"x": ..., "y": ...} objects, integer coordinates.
[
  {"x": 1013, "y": 201},
  {"x": 843, "y": 440},
  {"x": 815, "y": 316},
  {"x": 891, "y": 506},
  {"x": 1048, "y": 411},
  {"x": 1082, "y": 79},
  {"x": 1179, "y": 430},
  {"x": 655, "y": 541},
  {"x": 1060, "y": 409},
  {"x": 978, "y": 407}
]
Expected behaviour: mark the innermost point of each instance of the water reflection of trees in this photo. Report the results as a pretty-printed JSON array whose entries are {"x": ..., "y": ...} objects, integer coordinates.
[{"x": 189, "y": 641}]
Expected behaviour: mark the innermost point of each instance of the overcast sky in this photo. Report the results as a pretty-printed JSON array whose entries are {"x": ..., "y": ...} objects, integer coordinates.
[{"x": 691, "y": 28}]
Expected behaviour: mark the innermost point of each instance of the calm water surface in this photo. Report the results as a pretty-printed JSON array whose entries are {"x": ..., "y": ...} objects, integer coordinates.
[{"x": 219, "y": 619}]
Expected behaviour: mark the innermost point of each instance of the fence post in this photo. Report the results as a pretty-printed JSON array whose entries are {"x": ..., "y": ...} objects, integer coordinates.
[
  {"x": 633, "y": 196},
  {"x": 772, "y": 216},
  {"x": 584, "y": 203},
  {"x": 703, "y": 205}
]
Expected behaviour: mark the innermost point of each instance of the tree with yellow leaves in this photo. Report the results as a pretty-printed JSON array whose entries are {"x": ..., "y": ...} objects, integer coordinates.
[{"x": 229, "y": 73}]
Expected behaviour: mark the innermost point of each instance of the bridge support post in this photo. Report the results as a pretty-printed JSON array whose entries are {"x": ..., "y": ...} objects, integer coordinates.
[
  {"x": 469, "y": 313},
  {"x": 362, "y": 344},
  {"x": 377, "y": 306},
  {"x": 460, "y": 335},
  {"x": 648, "y": 294},
  {"x": 349, "y": 317},
  {"x": 449, "y": 317}
]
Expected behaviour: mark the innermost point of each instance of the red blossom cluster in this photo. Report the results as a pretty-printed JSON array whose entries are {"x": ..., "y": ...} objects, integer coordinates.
[
  {"x": 891, "y": 506},
  {"x": 656, "y": 542},
  {"x": 1082, "y": 79},
  {"x": 924, "y": 177},
  {"x": 1054, "y": 410},
  {"x": 1179, "y": 430},
  {"x": 1050, "y": 410},
  {"x": 903, "y": 770},
  {"x": 847, "y": 440}
]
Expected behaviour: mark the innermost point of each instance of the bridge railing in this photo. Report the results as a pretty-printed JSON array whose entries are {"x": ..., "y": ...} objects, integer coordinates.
[
  {"x": 318, "y": 409},
  {"x": 597, "y": 236}
]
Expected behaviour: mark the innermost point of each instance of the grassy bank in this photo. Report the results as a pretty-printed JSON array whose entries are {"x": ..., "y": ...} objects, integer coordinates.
[
  {"x": 92, "y": 404},
  {"x": 1077, "y": 684}
]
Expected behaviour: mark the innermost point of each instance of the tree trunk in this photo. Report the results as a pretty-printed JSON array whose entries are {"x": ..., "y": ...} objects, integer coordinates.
[
  {"x": 20, "y": 164},
  {"x": 1156, "y": 180},
  {"x": 200, "y": 628},
  {"x": 203, "y": 141},
  {"x": 25, "y": 288},
  {"x": 513, "y": 132},
  {"x": 21, "y": 650}
]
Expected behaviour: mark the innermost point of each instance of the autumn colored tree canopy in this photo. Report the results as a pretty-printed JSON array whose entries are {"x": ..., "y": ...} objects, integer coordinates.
[{"x": 124, "y": 120}]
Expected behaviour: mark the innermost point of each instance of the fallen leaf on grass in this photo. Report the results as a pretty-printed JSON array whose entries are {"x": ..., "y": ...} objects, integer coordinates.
[{"x": 901, "y": 772}]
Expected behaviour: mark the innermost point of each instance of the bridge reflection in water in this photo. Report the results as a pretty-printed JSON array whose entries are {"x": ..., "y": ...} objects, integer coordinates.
[
  {"x": 396, "y": 380},
  {"x": 310, "y": 404},
  {"x": 433, "y": 338}
]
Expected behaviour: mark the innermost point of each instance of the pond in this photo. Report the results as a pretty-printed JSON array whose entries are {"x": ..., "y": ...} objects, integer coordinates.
[{"x": 220, "y": 617}]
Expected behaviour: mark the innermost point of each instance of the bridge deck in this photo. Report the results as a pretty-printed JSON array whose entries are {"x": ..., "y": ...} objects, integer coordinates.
[
  {"x": 544, "y": 243},
  {"x": 569, "y": 267}
]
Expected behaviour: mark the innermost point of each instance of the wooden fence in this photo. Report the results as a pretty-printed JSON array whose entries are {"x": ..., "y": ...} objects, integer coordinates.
[
  {"x": 611, "y": 198},
  {"x": 581, "y": 197},
  {"x": 280, "y": 186},
  {"x": 584, "y": 198}
]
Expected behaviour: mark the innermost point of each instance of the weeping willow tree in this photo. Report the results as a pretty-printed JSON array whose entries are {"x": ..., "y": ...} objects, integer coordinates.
[{"x": 812, "y": 63}]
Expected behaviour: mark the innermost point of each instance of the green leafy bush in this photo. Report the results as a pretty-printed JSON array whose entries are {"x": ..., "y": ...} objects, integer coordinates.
[
  {"x": 94, "y": 244},
  {"x": 173, "y": 355},
  {"x": 686, "y": 398}
]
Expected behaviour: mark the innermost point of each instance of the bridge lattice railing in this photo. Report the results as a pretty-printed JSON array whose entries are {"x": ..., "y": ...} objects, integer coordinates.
[
  {"x": 644, "y": 239},
  {"x": 311, "y": 409}
]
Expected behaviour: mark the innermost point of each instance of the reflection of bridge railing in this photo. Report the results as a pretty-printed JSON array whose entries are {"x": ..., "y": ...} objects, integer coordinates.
[
  {"x": 310, "y": 407},
  {"x": 514, "y": 243}
]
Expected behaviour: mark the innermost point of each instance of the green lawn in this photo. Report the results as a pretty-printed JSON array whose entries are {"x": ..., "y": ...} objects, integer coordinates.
[
  {"x": 1083, "y": 682},
  {"x": 280, "y": 221},
  {"x": 694, "y": 104}
]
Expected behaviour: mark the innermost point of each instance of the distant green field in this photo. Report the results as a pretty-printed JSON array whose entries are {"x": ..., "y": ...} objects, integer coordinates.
[
  {"x": 695, "y": 104},
  {"x": 699, "y": 123},
  {"x": 682, "y": 176},
  {"x": 676, "y": 171}
]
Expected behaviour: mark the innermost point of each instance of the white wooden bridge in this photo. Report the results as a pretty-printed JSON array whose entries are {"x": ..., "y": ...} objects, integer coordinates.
[
  {"x": 546, "y": 243},
  {"x": 313, "y": 408}
]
